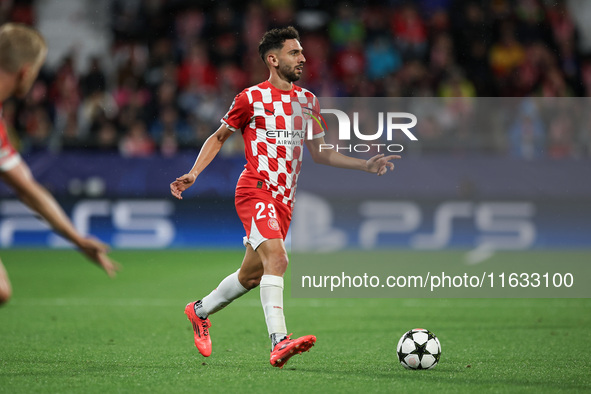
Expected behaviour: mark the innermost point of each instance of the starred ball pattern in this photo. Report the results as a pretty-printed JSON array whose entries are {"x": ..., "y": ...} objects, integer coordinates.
[{"x": 418, "y": 349}]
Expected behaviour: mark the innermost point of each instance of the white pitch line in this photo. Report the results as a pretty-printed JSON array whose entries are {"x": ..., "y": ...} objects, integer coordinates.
[
  {"x": 158, "y": 302},
  {"x": 297, "y": 302}
]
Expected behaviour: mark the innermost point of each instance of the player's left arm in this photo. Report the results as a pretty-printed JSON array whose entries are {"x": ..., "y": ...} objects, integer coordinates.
[{"x": 379, "y": 164}]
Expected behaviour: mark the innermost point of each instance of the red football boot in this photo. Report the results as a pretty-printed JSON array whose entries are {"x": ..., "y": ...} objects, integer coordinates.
[
  {"x": 287, "y": 348},
  {"x": 201, "y": 329}
]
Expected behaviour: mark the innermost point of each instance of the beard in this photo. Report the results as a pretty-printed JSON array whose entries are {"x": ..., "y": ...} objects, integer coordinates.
[{"x": 289, "y": 73}]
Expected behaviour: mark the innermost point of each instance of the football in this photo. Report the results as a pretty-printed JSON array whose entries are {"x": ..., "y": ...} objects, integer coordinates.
[{"x": 418, "y": 349}]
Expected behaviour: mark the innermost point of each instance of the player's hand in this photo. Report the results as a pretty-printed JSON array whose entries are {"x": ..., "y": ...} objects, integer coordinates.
[
  {"x": 181, "y": 184},
  {"x": 380, "y": 164},
  {"x": 96, "y": 251}
]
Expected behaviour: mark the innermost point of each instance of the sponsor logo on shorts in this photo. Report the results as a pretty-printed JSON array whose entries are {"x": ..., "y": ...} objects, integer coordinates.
[{"x": 273, "y": 224}]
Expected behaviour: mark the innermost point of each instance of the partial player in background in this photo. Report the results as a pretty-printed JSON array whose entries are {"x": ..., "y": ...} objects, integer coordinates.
[
  {"x": 22, "y": 53},
  {"x": 266, "y": 188}
]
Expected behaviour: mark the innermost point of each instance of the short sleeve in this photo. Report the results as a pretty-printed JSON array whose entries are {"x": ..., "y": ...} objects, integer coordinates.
[
  {"x": 313, "y": 115},
  {"x": 239, "y": 114},
  {"x": 9, "y": 157},
  {"x": 318, "y": 130}
]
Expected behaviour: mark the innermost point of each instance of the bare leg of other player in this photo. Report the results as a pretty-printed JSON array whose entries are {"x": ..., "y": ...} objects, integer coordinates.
[{"x": 5, "y": 288}]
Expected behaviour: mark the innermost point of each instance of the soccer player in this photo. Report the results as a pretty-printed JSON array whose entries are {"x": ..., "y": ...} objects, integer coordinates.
[
  {"x": 266, "y": 188},
  {"x": 22, "y": 52}
]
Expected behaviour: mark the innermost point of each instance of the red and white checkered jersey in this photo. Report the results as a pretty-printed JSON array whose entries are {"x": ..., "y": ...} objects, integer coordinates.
[
  {"x": 274, "y": 124},
  {"x": 9, "y": 157}
]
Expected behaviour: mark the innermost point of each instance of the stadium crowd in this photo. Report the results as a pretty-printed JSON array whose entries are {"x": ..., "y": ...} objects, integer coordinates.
[{"x": 176, "y": 66}]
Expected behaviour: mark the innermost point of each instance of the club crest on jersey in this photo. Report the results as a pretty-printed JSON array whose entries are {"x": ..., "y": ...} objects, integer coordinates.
[{"x": 273, "y": 224}]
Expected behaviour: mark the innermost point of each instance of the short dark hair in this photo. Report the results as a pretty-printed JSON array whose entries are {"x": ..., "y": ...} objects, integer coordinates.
[{"x": 274, "y": 39}]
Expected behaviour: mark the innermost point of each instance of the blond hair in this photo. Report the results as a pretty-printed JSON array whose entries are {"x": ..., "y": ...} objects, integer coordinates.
[{"x": 20, "y": 45}]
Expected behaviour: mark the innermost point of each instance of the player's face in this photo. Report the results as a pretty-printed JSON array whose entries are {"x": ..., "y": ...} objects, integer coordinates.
[
  {"x": 26, "y": 77},
  {"x": 291, "y": 60}
]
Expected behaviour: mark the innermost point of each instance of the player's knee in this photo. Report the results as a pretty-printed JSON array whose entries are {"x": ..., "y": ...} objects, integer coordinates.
[{"x": 278, "y": 263}]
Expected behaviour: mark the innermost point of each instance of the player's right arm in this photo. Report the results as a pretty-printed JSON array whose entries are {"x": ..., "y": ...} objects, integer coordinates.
[
  {"x": 36, "y": 197},
  {"x": 210, "y": 149},
  {"x": 237, "y": 117}
]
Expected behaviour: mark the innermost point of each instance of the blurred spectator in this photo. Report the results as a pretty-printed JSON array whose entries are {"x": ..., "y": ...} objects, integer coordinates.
[
  {"x": 168, "y": 143},
  {"x": 107, "y": 137},
  {"x": 255, "y": 23},
  {"x": 437, "y": 17},
  {"x": 70, "y": 133},
  {"x": 188, "y": 25},
  {"x": 137, "y": 142},
  {"x": 382, "y": 58},
  {"x": 196, "y": 73},
  {"x": 221, "y": 34},
  {"x": 350, "y": 62},
  {"x": 64, "y": 91},
  {"x": 507, "y": 54},
  {"x": 346, "y": 27},
  {"x": 161, "y": 57},
  {"x": 17, "y": 11},
  {"x": 39, "y": 130},
  {"x": 131, "y": 64},
  {"x": 472, "y": 27},
  {"x": 527, "y": 132},
  {"x": 554, "y": 85},
  {"x": 478, "y": 71},
  {"x": 376, "y": 22},
  {"x": 128, "y": 19},
  {"x": 456, "y": 85},
  {"x": 531, "y": 19},
  {"x": 317, "y": 67},
  {"x": 414, "y": 77},
  {"x": 472, "y": 38},
  {"x": 441, "y": 57},
  {"x": 168, "y": 125},
  {"x": 500, "y": 10},
  {"x": 430, "y": 8},
  {"x": 538, "y": 59},
  {"x": 281, "y": 12},
  {"x": 560, "y": 137},
  {"x": 410, "y": 32},
  {"x": 561, "y": 22},
  {"x": 570, "y": 64},
  {"x": 254, "y": 26},
  {"x": 94, "y": 107},
  {"x": 94, "y": 80},
  {"x": 231, "y": 77}
]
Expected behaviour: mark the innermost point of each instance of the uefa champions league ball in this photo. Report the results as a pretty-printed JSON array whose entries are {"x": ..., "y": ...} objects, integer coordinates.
[{"x": 418, "y": 349}]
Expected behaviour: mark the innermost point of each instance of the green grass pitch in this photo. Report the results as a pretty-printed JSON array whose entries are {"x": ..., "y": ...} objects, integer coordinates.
[{"x": 69, "y": 329}]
